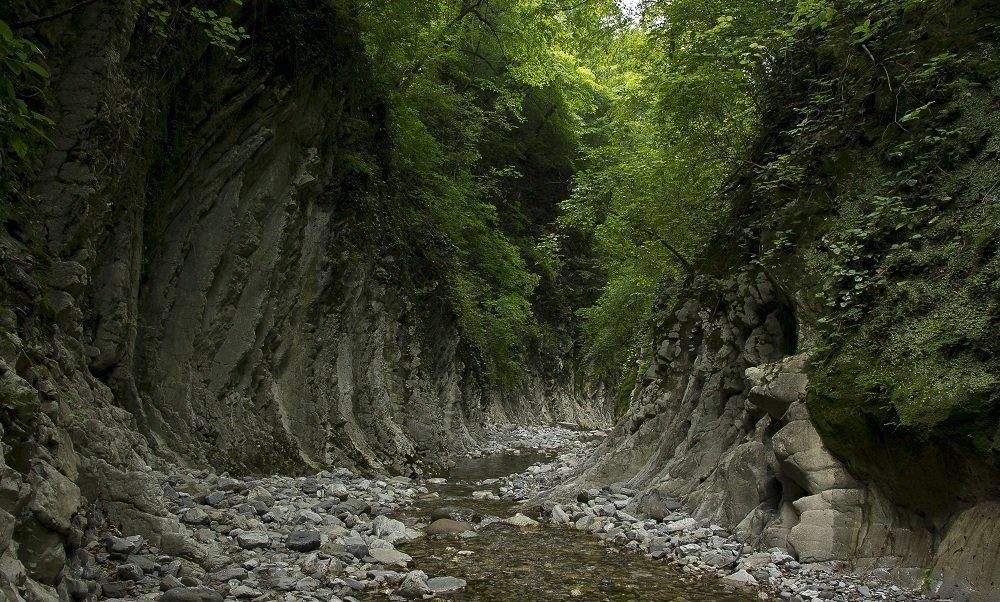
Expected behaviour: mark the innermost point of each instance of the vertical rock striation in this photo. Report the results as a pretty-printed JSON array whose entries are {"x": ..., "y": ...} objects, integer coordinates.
[{"x": 194, "y": 288}]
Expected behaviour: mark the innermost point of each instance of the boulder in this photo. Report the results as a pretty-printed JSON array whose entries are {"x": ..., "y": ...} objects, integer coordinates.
[
  {"x": 390, "y": 557},
  {"x": 521, "y": 521},
  {"x": 445, "y": 585},
  {"x": 447, "y": 526},
  {"x": 253, "y": 539},
  {"x": 303, "y": 541},
  {"x": 741, "y": 577},
  {"x": 392, "y": 531},
  {"x": 414, "y": 585}
]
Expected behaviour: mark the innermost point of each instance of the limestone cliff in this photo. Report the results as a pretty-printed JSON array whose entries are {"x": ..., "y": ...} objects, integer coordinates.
[{"x": 196, "y": 286}]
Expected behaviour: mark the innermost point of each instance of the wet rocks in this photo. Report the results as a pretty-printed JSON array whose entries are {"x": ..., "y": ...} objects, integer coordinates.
[
  {"x": 741, "y": 577},
  {"x": 323, "y": 537},
  {"x": 390, "y": 557},
  {"x": 445, "y": 585},
  {"x": 414, "y": 585},
  {"x": 447, "y": 526},
  {"x": 521, "y": 521},
  {"x": 695, "y": 546}
]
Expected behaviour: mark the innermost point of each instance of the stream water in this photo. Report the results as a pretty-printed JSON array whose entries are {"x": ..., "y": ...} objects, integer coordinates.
[{"x": 545, "y": 563}]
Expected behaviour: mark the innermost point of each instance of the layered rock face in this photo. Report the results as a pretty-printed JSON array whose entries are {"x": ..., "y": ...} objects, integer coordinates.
[
  {"x": 215, "y": 312},
  {"x": 719, "y": 422}
]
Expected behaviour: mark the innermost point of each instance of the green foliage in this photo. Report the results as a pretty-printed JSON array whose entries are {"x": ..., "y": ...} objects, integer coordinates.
[
  {"x": 219, "y": 29},
  {"x": 167, "y": 16},
  {"x": 878, "y": 197},
  {"x": 683, "y": 93},
  {"x": 23, "y": 82},
  {"x": 486, "y": 112}
]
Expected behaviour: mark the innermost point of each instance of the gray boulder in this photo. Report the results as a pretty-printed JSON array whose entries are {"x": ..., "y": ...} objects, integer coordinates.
[
  {"x": 414, "y": 585},
  {"x": 445, "y": 585},
  {"x": 303, "y": 541},
  {"x": 447, "y": 526}
]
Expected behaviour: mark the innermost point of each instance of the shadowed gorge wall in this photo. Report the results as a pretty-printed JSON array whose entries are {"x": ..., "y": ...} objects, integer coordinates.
[{"x": 205, "y": 281}]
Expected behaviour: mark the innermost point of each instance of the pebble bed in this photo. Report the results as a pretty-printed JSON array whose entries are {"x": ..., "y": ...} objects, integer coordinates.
[
  {"x": 326, "y": 537},
  {"x": 332, "y": 537},
  {"x": 695, "y": 546}
]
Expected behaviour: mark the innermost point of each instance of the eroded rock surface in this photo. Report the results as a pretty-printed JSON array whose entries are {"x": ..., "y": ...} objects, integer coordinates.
[
  {"x": 187, "y": 292},
  {"x": 719, "y": 426}
]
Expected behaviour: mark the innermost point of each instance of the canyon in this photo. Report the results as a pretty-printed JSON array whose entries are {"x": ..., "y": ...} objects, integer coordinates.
[{"x": 198, "y": 305}]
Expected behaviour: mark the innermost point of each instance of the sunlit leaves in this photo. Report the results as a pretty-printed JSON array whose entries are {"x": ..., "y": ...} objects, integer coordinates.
[{"x": 684, "y": 87}]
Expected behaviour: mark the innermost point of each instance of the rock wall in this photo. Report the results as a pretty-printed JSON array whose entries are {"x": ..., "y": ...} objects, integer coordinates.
[
  {"x": 203, "y": 300},
  {"x": 719, "y": 422}
]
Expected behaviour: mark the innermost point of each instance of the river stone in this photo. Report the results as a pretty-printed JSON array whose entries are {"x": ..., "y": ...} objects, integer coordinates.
[
  {"x": 719, "y": 558},
  {"x": 390, "y": 577},
  {"x": 195, "y": 516},
  {"x": 439, "y": 513},
  {"x": 559, "y": 515},
  {"x": 303, "y": 541},
  {"x": 355, "y": 546},
  {"x": 130, "y": 572},
  {"x": 244, "y": 592},
  {"x": 261, "y": 495},
  {"x": 521, "y": 521},
  {"x": 215, "y": 498},
  {"x": 228, "y": 484},
  {"x": 414, "y": 585},
  {"x": 684, "y": 524},
  {"x": 125, "y": 545},
  {"x": 233, "y": 572},
  {"x": 741, "y": 577},
  {"x": 253, "y": 539},
  {"x": 392, "y": 531},
  {"x": 447, "y": 526},
  {"x": 588, "y": 523},
  {"x": 191, "y": 594},
  {"x": 307, "y": 584},
  {"x": 352, "y": 506},
  {"x": 445, "y": 585},
  {"x": 390, "y": 556},
  {"x": 338, "y": 490},
  {"x": 308, "y": 516}
]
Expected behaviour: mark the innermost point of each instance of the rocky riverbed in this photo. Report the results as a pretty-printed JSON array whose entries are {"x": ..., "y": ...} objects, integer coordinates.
[
  {"x": 330, "y": 536},
  {"x": 338, "y": 535},
  {"x": 694, "y": 546}
]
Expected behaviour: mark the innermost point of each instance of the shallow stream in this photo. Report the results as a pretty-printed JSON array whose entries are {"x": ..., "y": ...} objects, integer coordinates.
[{"x": 546, "y": 563}]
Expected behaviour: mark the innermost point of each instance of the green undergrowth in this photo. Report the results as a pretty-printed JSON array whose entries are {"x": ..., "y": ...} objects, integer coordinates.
[{"x": 877, "y": 198}]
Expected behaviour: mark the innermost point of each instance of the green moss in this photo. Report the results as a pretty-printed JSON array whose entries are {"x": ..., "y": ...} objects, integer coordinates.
[{"x": 894, "y": 219}]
